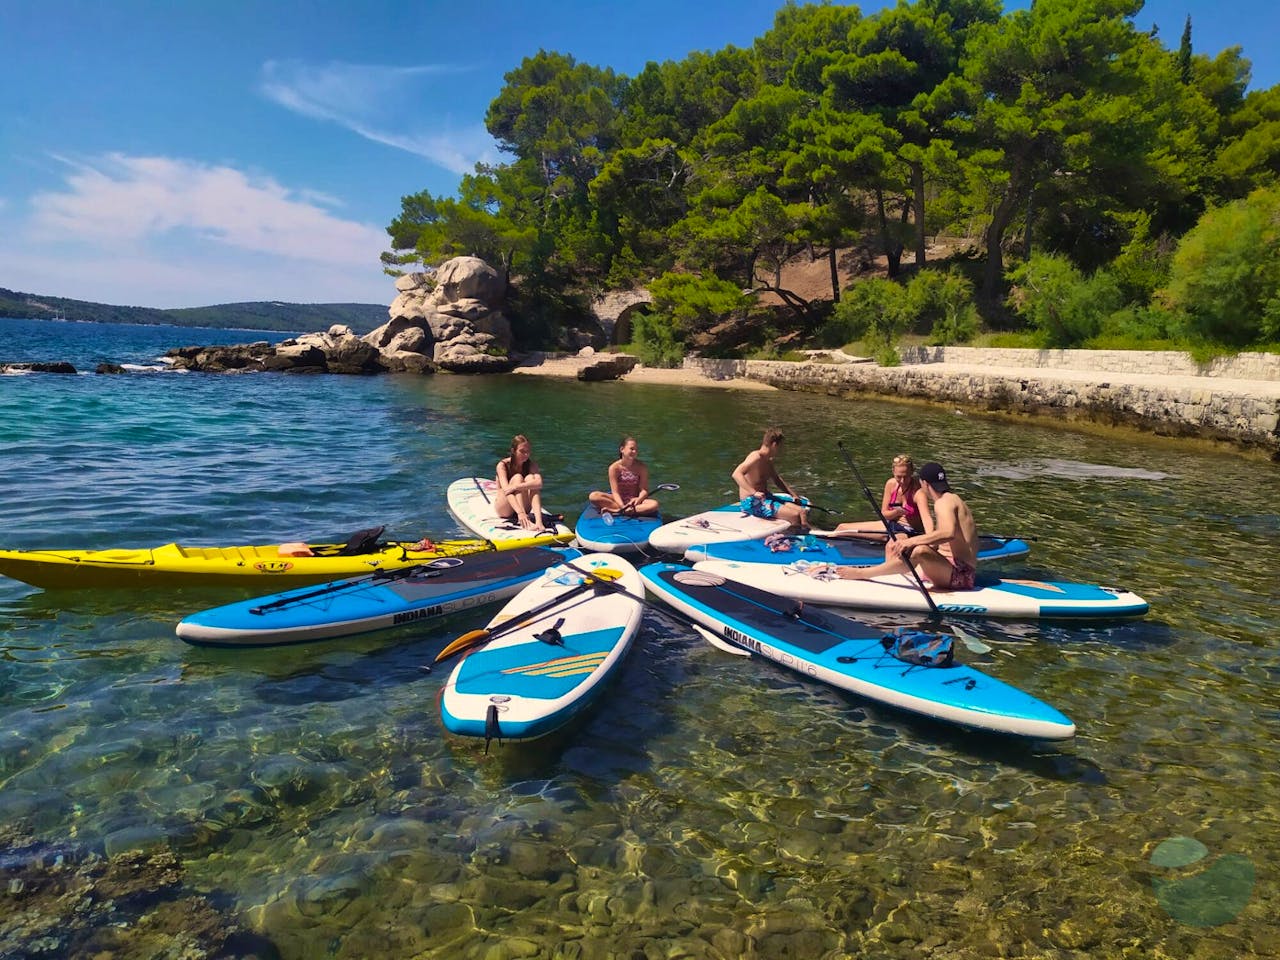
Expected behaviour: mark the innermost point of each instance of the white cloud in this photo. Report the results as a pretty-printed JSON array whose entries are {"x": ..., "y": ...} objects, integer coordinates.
[
  {"x": 138, "y": 198},
  {"x": 388, "y": 105},
  {"x": 164, "y": 231}
]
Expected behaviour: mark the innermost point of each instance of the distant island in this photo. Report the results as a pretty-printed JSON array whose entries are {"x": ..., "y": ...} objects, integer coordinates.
[{"x": 257, "y": 315}]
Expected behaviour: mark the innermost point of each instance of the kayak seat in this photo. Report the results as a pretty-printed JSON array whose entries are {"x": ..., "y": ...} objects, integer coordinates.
[{"x": 360, "y": 542}]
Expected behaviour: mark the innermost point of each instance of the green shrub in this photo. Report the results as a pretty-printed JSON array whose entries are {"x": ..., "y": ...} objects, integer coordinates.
[
  {"x": 1143, "y": 265},
  {"x": 655, "y": 341},
  {"x": 1132, "y": 327},
  {"x": 1063, "y": 306},
  {"x": 695, "y": 303},
  {"x": 887, "y": 356},
  {"x": 874, "y": 311},
  {"x": 942, "y": 304},
  {"x": 1224, "y": 284}
]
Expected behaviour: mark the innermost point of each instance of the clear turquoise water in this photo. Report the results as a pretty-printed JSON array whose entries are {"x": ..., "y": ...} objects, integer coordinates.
[{"x": 713, "y": 807}]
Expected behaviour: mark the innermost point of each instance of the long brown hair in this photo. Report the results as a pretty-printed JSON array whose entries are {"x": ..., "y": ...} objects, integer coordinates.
[{"x": 518, "y": 439}]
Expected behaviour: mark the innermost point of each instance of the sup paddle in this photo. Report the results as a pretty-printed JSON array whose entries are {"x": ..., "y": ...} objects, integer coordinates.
[
  {"x": 474, "y": 638},
  {"x": 973, "y": 643},
  {"x": 381, "y": 576},
  {"x": 802, "y": 501},
  {"x": 711, "y": 638},
  {"x": 608, "y": 516}
]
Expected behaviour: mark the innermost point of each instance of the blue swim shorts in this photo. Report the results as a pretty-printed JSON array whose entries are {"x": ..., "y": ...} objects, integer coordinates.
[{"x": 759, "y": 507}]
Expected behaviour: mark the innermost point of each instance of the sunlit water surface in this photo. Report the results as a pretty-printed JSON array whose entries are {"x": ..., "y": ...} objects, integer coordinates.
[{"x": 711, "y": 806}]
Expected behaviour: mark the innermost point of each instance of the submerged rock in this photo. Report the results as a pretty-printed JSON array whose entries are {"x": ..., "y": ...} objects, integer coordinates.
[
  {"x": 59, "y": 367},
  {"x": 64, "y": 901}
]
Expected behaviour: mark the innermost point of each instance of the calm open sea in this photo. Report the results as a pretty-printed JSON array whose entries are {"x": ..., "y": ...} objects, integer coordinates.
[{"x": 712, "y": 807}]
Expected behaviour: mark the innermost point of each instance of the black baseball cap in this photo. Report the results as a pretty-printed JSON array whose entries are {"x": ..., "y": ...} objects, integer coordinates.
[{"x": 935, "y": 476}]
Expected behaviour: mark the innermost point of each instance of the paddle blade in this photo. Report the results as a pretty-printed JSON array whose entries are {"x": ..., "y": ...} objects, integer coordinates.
[
  {"x": 464, "y": 642},
  {"x": 719, "y": 643},
  {"x": 972, "y": 643}
]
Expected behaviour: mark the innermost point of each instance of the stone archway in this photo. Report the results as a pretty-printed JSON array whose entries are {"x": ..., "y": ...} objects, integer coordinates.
[{"x": 614, "y": 310}]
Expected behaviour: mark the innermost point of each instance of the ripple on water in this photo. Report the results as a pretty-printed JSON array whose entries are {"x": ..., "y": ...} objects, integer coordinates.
[{"x": 712, "y": 806}]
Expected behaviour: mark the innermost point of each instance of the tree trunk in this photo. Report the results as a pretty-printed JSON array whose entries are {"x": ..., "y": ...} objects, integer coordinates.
[
  {"x": 1026, "y": 236},
  {"x": 835, "y": 275},
  {"x": 892, "y": 252},
  {"x": 917, "y": 200},
  {"x": 993, "y": 272}
]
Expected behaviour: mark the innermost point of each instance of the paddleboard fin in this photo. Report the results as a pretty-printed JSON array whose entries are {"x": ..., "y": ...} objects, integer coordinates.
[{"x": 491, "y": 729}]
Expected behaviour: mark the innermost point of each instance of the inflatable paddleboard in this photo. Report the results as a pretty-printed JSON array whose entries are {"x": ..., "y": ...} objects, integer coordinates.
[
  {"x": 993, "y": 597},
  {"x": 384, "y": 599},
  {"x": 619, "y": 533},
  {"x": 842, "y": 551},
  {"x": 850, "y": 655},
  {"x": 536, "y": 677},
  {"x": 471, "y": 501},
  {"x": 721, "y": 525}
]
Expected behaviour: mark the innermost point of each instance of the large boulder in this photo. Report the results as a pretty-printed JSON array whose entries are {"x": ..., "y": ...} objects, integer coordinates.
[{"x": 468, "y": 278}]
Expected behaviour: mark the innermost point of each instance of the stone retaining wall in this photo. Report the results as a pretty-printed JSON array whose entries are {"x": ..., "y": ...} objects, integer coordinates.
[
  {"x": 1243, "y": 366},
  {"x": 1207, "y": 409}
]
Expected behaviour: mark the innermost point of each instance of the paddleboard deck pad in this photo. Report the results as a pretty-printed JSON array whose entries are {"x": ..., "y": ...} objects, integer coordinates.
[
  {"x": 619, "y": 533},
  {"x": 470, "y": 499},
  {"x": 536, "y": 677},
  {"x": 850, "y": 655},
  {"x": 842, "y": 551},
  {"x": 992, "y": 597},
  {"x": 374, "y": 602},
  {"x": 721, "y": 525}
]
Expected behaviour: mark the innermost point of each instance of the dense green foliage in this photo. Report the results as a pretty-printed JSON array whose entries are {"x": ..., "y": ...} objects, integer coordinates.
[
  {"x": 290, "y": 317},
  {"x": 1067, "y": 147}
]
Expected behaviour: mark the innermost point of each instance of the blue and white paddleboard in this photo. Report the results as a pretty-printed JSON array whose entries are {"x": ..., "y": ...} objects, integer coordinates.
[
  {"x": 850, "y": 655},
  {"x": 533, "y": 679},
  {"x": 617, "y": 533},
  {"x": 470, "y": 499},
  {"x": 842, "y": 551},
  {"x": 993, "y": 596},
  {"x": 373, "y": 602},
  {"x": 723, "y": 524}
]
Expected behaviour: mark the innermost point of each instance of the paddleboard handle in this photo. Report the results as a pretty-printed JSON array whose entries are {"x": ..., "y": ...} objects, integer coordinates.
[{"x": 552, "y": 635}]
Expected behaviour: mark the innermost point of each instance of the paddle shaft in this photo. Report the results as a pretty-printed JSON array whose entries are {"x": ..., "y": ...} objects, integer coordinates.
[
  {"x": 680, "y": 615},
  {"x": 476, "y": 637},
  {"x": 800, "y": 502},
  {"x": 381, "y": 576},
  {"x": 888, "y": 529}
]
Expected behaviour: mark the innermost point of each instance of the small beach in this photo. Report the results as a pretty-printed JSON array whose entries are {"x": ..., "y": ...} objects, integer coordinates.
[{"x": 686, "y": 376}]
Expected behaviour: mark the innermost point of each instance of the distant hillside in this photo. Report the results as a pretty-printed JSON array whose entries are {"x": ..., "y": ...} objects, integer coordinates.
[{"x": 267, "y": 315}]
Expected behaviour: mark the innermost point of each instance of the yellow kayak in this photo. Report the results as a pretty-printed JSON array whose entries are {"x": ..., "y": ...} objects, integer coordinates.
[{"x": 268, "y": 567}]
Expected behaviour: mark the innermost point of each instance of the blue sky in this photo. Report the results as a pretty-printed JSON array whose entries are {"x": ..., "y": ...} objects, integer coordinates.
[{"x": 186, "y": 153}]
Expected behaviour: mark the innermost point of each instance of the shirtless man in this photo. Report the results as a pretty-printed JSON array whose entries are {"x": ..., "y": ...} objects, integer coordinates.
[
  {"x": 753, "y": 477},
  {"x": 947, "y": 555}
]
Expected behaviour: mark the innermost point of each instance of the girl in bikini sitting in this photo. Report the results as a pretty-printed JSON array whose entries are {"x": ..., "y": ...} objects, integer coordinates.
[
  {"x": 628, "y": 484},
  {"x": 904, "y": 504},
  {"x": 519, "y": 495}
]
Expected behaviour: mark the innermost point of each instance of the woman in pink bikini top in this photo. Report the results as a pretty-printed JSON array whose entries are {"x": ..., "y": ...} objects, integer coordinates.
[
  {"x": 904, "y": 504},
  {"x": 628, "y": 484}
]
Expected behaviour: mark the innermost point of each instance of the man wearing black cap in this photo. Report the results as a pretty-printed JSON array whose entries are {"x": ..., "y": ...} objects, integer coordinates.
[{"x": 947, "y": 555}]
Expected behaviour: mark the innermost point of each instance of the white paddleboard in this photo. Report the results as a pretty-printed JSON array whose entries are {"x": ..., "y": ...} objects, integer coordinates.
[
  {"x": 471, "y": 501},
  {"x": 534, "y": 679},
  {"x": 720, "y": 525},
  {"x": 994, "y": 597}
]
